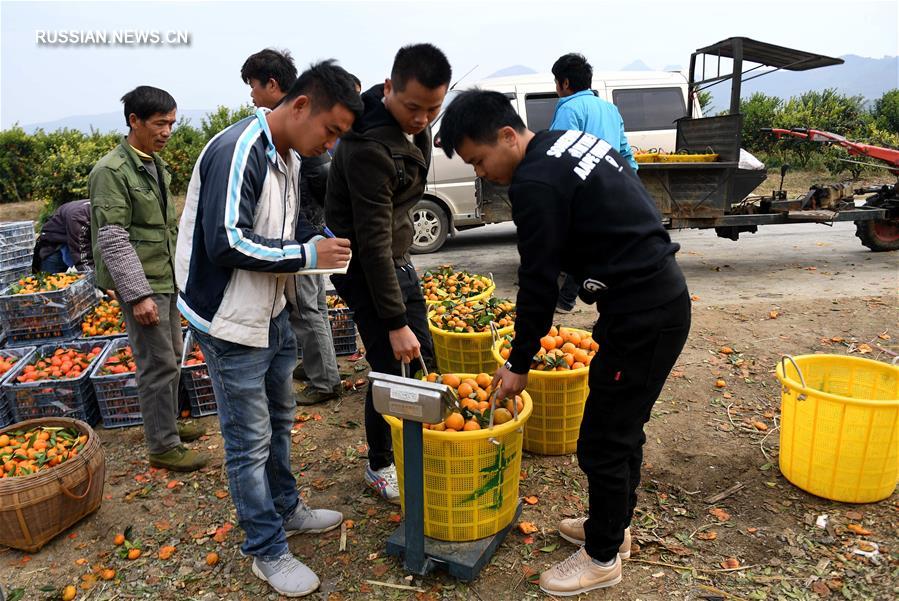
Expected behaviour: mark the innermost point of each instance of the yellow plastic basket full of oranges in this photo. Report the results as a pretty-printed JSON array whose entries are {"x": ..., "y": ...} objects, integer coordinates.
[
  {"x": 558, "y": 385},
  {"x": 472, "y": 466}
]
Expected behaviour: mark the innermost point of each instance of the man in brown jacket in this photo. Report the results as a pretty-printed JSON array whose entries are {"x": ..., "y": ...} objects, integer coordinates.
[{"x": 377, "y": 174}]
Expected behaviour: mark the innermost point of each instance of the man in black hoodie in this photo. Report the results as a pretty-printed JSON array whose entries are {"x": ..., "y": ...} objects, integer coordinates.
[
  {"x": 579, "y": 209},
  {"x": 377, "y": 174}
]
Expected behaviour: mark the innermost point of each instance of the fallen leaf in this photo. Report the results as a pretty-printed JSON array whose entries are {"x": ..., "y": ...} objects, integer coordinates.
[
  {"x": 527, "y": 527},
  {"x": 221, "y": 494},
  {"x": 837, "y": 339},
  {"x": 81, "y": 561},
  {"x": 820, "y": 588},
  {"x": 720, "y": 514},
  {"x": 165, "y": 552},
  {"x": 528, "y": 540},
  {"x": 727, "y": 395},
  {"x": 883, "y": 336},
  {"x": 531, "y": 500},
  {"x": 768, "y": 414},
  {"x": 380, "y": 569},
  {"x": 773, "y": 314},
  {"x": 752, "y": 530},
  {"x": 707, "y": 535},
  {"x": 395, "y": 518},
  {"x": 864, "y": 348},
  {"x": 730, "y": 563},
  {"x": 349, "y": 523},
  {"x": 162, "y": 525},
  {"x": 853, "y": 515},
  {"x": 760, "y": 426},
  {"x": 858, "y": 529}
]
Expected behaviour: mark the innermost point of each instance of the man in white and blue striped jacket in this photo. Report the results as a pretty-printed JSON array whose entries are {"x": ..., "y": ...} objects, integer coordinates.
[{"x": 241, "y": 234}]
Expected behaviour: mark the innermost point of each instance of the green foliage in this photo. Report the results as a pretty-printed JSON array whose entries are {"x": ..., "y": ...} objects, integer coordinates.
[
  {"x": 221, "y": 118},
  {"x": 19, "y": 159},
  {"x": 181, "y": 153},
  {"x": 705, "y": 101},
  {"x": 826, "y": 110},
  {"x": 54, "y": 166},
  {"x": 886, "y": 111},
  {"x": 66, "y": 160}
]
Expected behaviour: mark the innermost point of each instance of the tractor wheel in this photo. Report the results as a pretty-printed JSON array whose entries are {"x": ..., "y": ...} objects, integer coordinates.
[{"x": 880, "y": 235}]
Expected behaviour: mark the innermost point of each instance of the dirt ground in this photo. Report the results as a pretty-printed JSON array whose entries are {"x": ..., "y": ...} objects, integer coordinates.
[{"x": 758, "y": 540}]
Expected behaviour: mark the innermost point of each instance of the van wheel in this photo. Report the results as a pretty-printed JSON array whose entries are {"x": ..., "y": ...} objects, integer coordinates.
[{"x": 430, "y": 227}]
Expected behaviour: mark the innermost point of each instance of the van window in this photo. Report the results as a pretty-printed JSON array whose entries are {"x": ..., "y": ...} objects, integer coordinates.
[
  {"x": 650, "y": 108},
  {"x": 539, "y": 109}
]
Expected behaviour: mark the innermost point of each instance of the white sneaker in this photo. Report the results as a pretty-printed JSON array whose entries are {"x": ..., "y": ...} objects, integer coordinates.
[
  {"x": 287, "y": 575},
  {"x": 383, "y": 481},
  {"x": 312, "y": 521}
]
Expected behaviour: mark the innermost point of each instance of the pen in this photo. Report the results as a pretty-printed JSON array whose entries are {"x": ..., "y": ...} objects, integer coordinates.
[{"x": 328, "y": 232}]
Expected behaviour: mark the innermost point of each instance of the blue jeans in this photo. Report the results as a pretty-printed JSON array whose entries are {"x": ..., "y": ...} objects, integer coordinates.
[{"x": 256, "y": 408}]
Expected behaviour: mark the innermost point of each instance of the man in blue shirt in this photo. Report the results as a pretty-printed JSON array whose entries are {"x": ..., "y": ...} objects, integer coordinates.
[{"x": 581, "y": 110}]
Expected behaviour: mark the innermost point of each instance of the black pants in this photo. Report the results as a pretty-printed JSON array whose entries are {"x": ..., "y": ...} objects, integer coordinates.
[
  {"x": 353, "y": 289},
  {"x": 636, "y": 354},
  {"x": 568, "y": 292}
]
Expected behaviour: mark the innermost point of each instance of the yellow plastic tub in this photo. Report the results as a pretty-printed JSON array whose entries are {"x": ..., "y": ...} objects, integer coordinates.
[
  {"x": 464, "y": 352},
  {"x": 487, "y": 293},
  {"x": 839, "y": 432},
  {"x": 470, "y": 483},
  {"x": 559, "y": 398}
]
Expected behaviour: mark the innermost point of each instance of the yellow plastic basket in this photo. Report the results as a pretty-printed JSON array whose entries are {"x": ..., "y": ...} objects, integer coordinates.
[
  {"x": 687, "y": 158},
  {"x": 458, "y": 466},
  {"x": 839, "y": 431},
  {"x": 464, "y": 352},
  {"x": 559, "y": 398},
  {"x": 647, "y": 157},
  {"x": 487, "y": 293}
]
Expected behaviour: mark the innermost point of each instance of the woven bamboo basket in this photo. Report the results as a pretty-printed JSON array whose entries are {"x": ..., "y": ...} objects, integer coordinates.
[{"x": 36, "y": 508}]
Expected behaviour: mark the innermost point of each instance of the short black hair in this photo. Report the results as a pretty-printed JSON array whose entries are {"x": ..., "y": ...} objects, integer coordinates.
[
  {"x": 477, "y": 115},
  {"x": 575, "y": 68},
  {"x": 270, "y": 64},
  {"x": 356, "y": 81},
  {"x": 326, "y": 84},
  {"x": 146, "y": 101},
  {"x": 425, "y": 63}
]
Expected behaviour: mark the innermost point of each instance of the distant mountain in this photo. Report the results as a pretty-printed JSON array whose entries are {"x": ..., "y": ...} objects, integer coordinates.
[
  {"x": 868, "y": 77},
  {"x": 513, "y": 70},
  {"x": 104, "y": 122},
  {"x": 637, "y": 65}
]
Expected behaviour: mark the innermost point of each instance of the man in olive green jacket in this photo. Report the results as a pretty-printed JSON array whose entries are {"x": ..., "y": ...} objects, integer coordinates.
[{"x": 134, "y": 228}]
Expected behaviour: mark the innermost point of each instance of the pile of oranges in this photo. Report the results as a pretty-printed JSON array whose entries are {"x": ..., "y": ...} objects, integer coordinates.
[
  {"x": 105, "y": 320},
  {"x": 335, "y": 302},
  {"x": 475, "y": 404},
  {"x": 6, "y": 363},
  {"x": 195, "y": 357},
  {"x": 62, "y": 364},
  {"x": 473, "y": 316},
  {"x": 445, "y": 283},
  {"x": 45, "y": 282},
  {"x": 120, "y": 362},
  {"x": 561, "y": 349},
  {"x": 23, "y": 453}
]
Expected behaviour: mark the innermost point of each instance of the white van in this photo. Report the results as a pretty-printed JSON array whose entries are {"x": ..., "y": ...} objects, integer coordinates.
[{"x": 649, "y": 102}]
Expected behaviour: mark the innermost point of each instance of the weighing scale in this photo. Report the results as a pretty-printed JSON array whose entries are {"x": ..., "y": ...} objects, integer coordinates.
[{"x": 416, "y": 402}]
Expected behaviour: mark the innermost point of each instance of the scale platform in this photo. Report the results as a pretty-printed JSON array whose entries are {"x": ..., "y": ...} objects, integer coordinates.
[{"x": 463, "y": 561}]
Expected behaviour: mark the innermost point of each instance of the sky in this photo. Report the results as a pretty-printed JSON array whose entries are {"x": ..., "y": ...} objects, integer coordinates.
[{"x": 46, "y": 81}]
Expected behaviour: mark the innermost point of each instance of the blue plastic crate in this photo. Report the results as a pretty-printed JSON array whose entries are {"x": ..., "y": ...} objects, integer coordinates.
[
  {"x": 73, "y": 398},
  {"x": 117, "y": 394},
  {"x": 197, "y": 383},
  {"x": 22, "y": 354},
  {"x": 47, "y": 317},
  {"x": 343, "y": 331}
]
